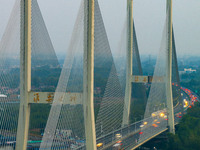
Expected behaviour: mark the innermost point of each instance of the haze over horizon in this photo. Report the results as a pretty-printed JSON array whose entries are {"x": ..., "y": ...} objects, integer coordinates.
[{"x": 149, "y": 17}]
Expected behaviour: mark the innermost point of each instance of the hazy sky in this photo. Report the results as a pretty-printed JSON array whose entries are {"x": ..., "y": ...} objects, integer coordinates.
[{"x": 149, "y": 17}]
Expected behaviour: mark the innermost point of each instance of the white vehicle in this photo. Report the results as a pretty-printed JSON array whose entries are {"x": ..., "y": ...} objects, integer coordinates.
[
  {"x": 116, "y": 146},
  {"x": 141, "y": 126},
  {"x": 3, "y": 96}
]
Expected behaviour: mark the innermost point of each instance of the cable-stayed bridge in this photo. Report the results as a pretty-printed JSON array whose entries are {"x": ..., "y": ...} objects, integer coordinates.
[{"x": 93, "y": 104}]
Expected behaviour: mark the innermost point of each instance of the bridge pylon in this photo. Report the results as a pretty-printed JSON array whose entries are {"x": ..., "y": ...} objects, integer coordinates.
[
  {"x": 27, "y": 96},
  {"x": 25, "y": 74},
  {"x": 170, "y": 109},
  {"x": 129, "y": 61},
  {"x": 88, "y": 75}
]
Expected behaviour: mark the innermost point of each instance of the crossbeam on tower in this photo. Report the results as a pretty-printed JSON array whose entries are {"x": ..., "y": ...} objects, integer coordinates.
[
  {"x": 146, "y": 79},
  {"x": 48, "y": 97}
]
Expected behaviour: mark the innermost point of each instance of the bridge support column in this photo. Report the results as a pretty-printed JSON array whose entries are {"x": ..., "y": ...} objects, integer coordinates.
[
  {"x": 25, "y": 75},
  {"x": 129, "y": 62},
  {"x": 170, "y": 109},
  {"x": 88, "y": 75}
]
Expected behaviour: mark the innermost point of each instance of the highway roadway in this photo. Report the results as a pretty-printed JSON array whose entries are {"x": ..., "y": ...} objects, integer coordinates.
[{"x": 133, "y": 136}]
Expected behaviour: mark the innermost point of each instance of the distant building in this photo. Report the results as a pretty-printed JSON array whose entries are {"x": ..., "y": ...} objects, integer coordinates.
[{"x": 189, "y": 70}]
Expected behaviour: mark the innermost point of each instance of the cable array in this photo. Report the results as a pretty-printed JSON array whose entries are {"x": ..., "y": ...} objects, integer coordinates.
[
  {"x": 109, "y": 117},
  {"x": 9, "y": 79},
  {"x": 65, "y": 125}
]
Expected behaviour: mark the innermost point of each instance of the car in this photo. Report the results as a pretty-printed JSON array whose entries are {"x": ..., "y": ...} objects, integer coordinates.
[
  {"x": 145, "y": 123},
  {"x": 154, "y": 125},
  {"x": 140, "y": 133},
  {"x": 141, "y": 126},
  {"x": 162, "y": 114},
  {"x": 117, "y": 146},
  {"x": 117, "y": 136},
  {"x": 99, "y": 144}
]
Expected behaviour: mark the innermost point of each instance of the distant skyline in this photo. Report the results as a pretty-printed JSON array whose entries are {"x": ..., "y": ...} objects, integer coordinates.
[{"x": 149, "y": 16}]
